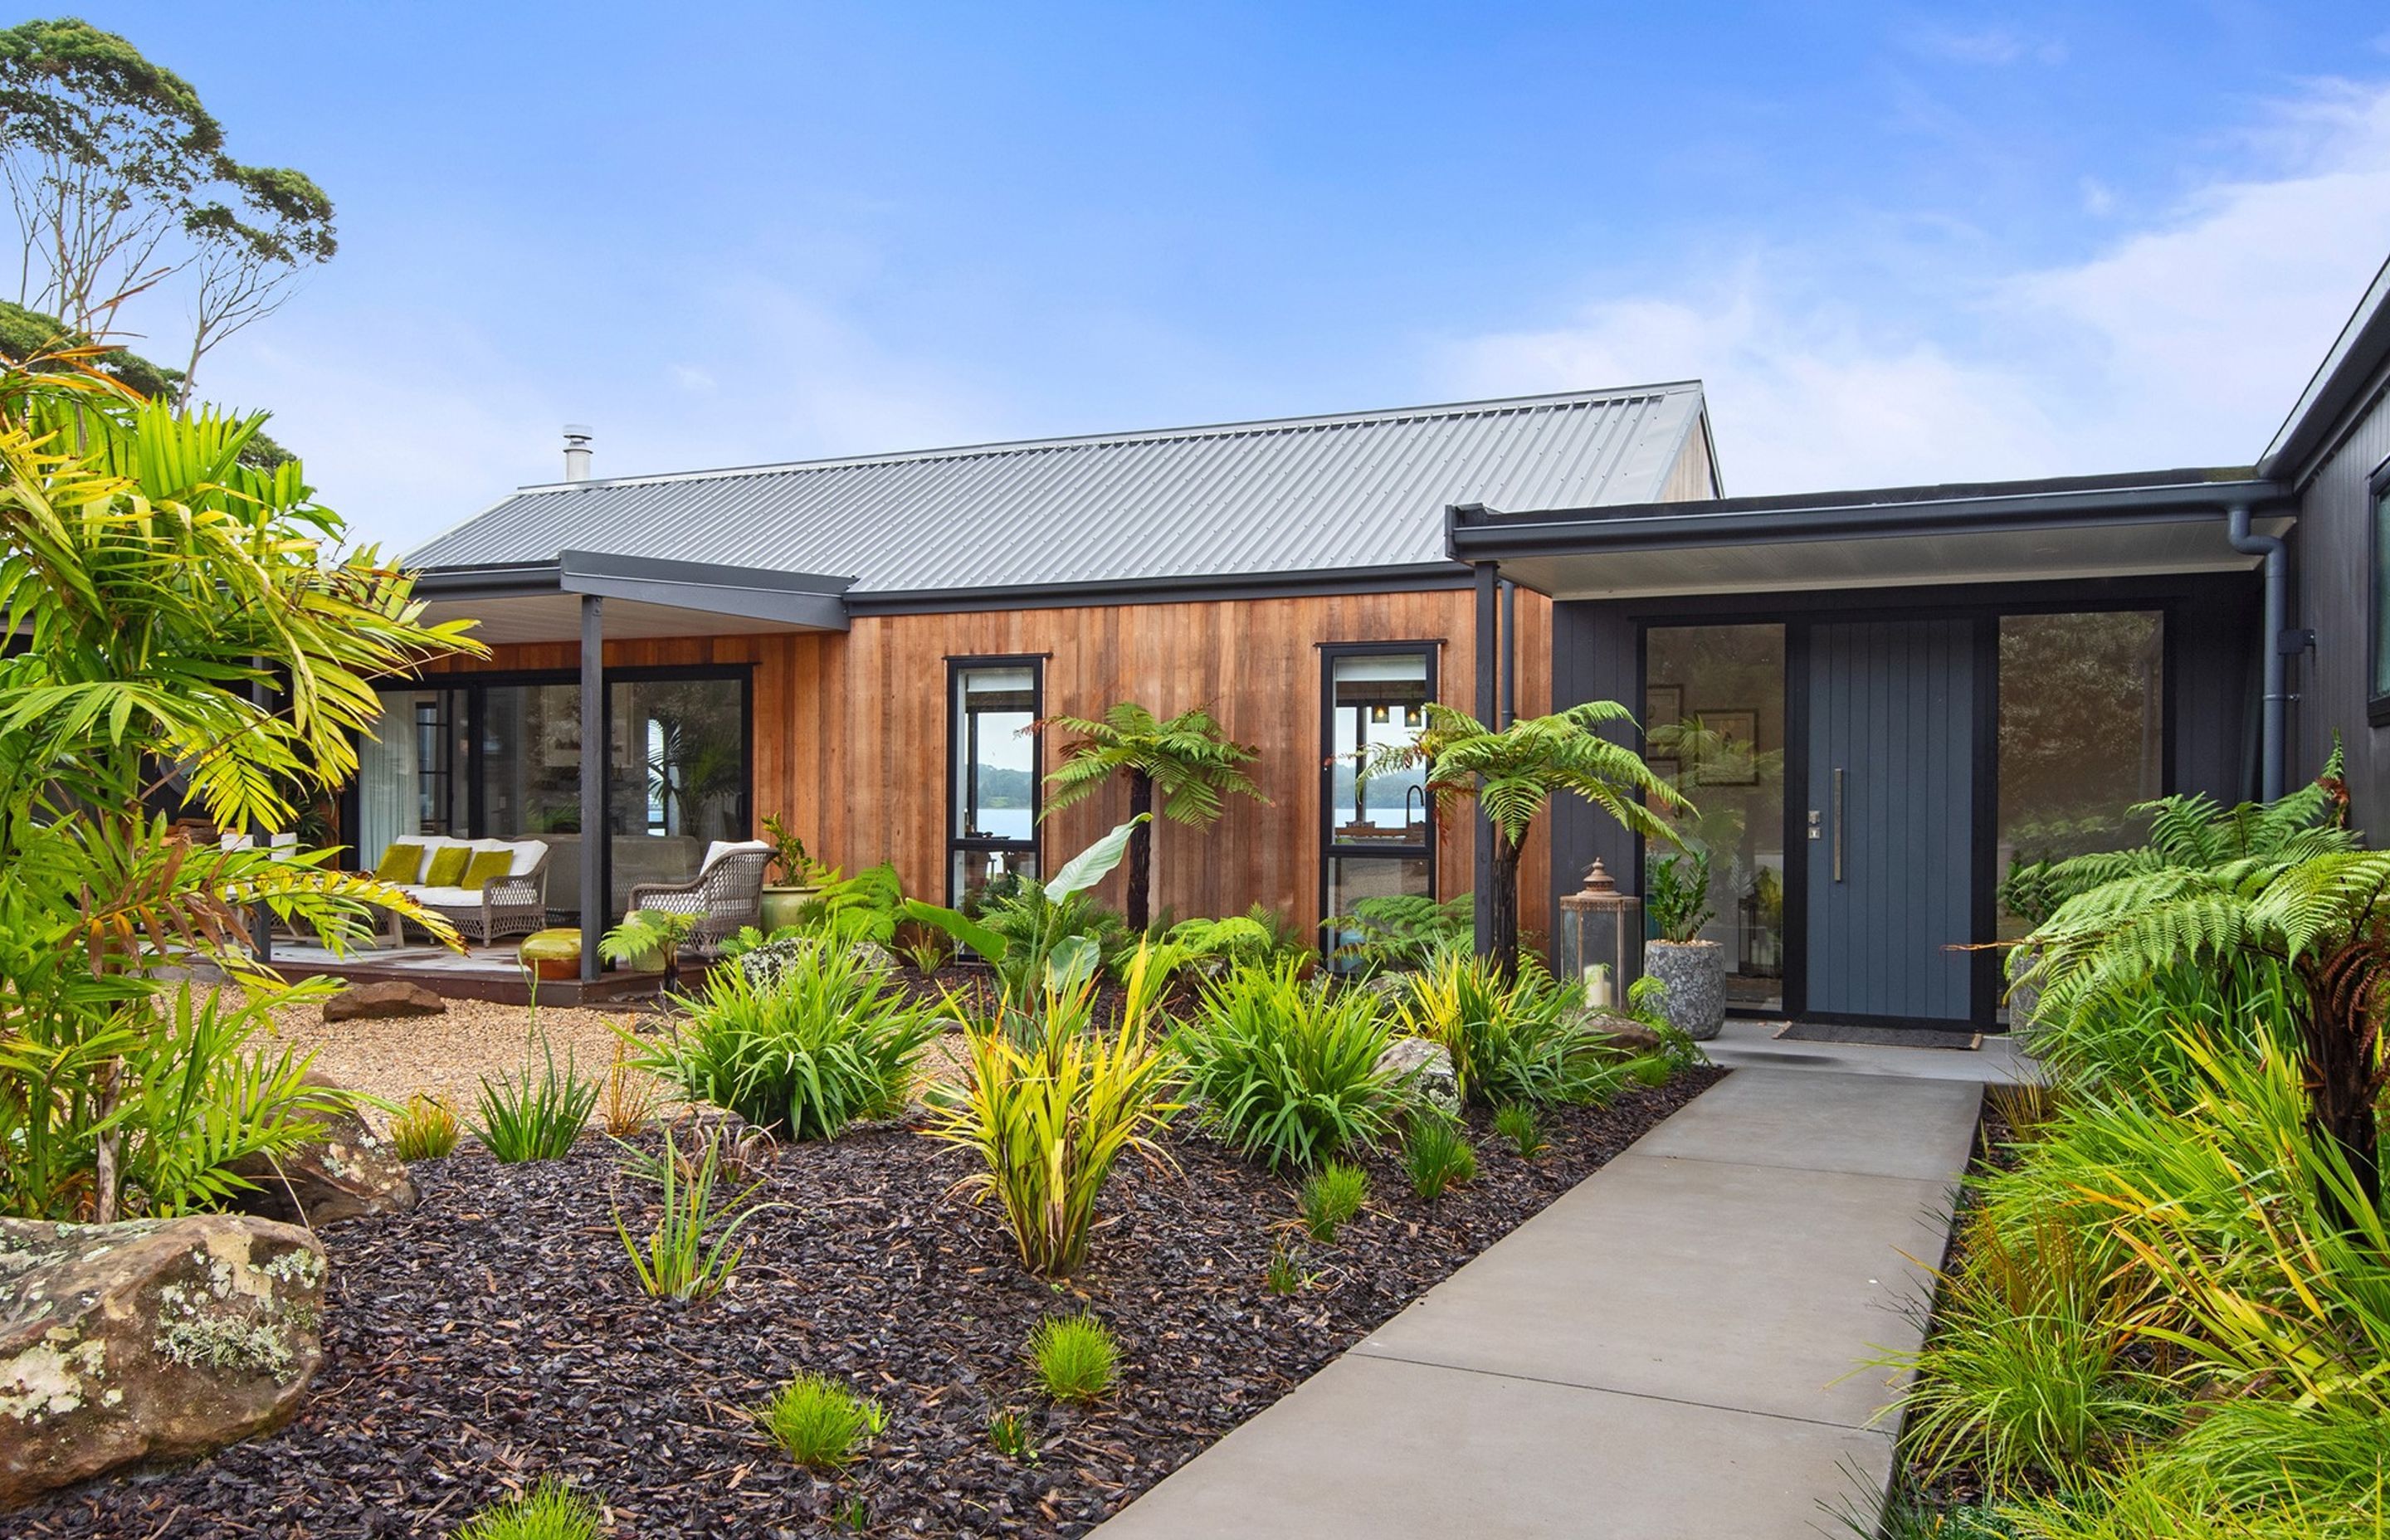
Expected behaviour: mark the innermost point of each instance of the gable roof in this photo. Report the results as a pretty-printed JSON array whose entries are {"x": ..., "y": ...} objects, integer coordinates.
[
  {"x": 1363, "y": 490},
  {"x": 2352, "y": 370}
]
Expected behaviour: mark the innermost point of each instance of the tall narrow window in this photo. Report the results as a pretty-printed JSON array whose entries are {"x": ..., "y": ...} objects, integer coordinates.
[
  {"x": 993, "y": 791},
  {"x": 1378, "y": 834}
]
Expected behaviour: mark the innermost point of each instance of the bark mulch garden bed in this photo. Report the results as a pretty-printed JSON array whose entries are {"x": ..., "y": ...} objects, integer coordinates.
[{"x": 496, "y": 1335}]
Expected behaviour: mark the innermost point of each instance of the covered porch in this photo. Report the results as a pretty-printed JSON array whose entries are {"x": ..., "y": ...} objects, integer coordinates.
[
  {"x": 1878, "y": 701},
  {"x": 625, "y": 774}
]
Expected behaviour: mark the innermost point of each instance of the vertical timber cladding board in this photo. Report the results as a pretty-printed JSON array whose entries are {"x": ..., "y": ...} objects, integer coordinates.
[{"x": 850, "y": 731}]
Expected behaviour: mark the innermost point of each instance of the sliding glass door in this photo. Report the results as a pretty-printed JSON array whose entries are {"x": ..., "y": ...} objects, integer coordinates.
[{"x": 501, "y": 758}]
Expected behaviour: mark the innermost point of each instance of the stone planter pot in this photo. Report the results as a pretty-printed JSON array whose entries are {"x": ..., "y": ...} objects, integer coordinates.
[
  {"x": 780, "y": 905},
  {"x": 1694, "y": 973}
]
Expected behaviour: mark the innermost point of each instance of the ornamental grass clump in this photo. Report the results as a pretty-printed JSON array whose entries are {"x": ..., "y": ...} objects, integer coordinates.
[
  {"x": 691, "y": 1253},
  {"x": 551, "y": 1511},
  {"x": 826, "y": 1042},
  {"x": 1524, "y": 1040},
  {"x": 820, "y": 1423},
  {"x": 1074, "y": 1356},
  {"x": 1331, "y": 1196},
  {"x": 1437, "y": 1155},
  {"x": 1050, "y": 1102},
  {"x": 1518, "y": 1124},
  {"x": 1285, "y": 1069},
  {"x": 535, "y": 1117},
  {"x": 426, "y": 1130}
]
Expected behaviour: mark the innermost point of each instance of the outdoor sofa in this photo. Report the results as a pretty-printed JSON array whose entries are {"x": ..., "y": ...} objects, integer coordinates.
[{"x": 485, "y": 906}]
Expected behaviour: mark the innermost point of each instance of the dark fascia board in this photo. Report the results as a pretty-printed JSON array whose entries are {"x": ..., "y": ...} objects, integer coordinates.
[
  {"x": 2348, "y": 375},
  {"x": 1197, "y": 589},
  {"x": 792, "y": 598},
  {"x": 1474, "y": 532}
]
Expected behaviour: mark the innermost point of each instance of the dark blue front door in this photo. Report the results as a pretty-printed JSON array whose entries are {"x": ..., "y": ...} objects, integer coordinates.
[{"x": 1891, "y": 815}]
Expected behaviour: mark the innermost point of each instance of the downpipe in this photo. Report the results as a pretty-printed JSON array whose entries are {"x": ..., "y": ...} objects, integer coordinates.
[{"x": 2274, "y": 707}]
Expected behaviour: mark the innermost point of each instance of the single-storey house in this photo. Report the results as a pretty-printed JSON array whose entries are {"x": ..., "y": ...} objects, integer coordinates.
[
  {"x": 1879, "y": 699},
  {"x": 859, "y": 646}
]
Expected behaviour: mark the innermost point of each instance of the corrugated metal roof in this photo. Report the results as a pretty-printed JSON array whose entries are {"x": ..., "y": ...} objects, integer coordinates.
[{"x": 1235, "y": 500}]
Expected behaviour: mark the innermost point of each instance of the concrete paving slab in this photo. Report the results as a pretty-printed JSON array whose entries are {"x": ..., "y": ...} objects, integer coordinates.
[
  {"x": 1748, "y": 1043},
  {"x": 1872, "y": 1125},
  {"x": 1754, "y": 1288},
  {"x": 1373, "y": 1450}
]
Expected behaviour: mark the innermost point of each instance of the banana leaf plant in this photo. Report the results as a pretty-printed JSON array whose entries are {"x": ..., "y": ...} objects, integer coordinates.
[{"x": 1058, "y": 963}]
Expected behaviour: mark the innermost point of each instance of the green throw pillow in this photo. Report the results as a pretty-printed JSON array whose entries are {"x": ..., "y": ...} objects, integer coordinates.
[
  {"x": 400, "y": 863},
  {"x": 447, "y": 866},
  {"x": 487, "y": 865}
]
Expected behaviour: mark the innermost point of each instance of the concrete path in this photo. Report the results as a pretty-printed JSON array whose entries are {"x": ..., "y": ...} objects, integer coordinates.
[
  {"x": 1745, "y": 1043},
  {"x": 1666, "y": 1352}
]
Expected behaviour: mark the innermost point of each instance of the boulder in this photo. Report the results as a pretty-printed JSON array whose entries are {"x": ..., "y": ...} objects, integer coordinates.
[
  {"x": 1424, "y": 1070},
  {"x": 347, "y": 1172},
  {"x": 764, "y": 966},
  {"x": 1624, "y": 1032},
  {"x": 155, "y": 1340},
  {"x": 1392, "y": 986},
  {"x": 382, "y": 999}
]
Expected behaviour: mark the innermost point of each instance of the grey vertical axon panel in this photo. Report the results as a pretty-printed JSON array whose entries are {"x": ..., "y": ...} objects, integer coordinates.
[{"x": 1891, "y": 769}]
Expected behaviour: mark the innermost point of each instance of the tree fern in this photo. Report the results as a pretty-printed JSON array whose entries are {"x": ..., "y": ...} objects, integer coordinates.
[{"x": 1186, "y": 762}]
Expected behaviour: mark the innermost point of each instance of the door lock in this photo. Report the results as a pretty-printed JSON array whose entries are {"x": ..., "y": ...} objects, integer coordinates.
[{"x": 1817, "y": 824}]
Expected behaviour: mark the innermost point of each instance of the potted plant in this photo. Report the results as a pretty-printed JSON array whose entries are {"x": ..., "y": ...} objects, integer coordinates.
[
  {"x": 1692, "y": 970},
  {"x": 784, "y": 899}
]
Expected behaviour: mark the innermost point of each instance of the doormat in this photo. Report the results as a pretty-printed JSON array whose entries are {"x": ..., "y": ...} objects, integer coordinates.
[{"x": 1881, "y": 1037}]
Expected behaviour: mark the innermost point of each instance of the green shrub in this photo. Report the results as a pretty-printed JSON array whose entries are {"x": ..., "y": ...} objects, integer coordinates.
[
  {"x": 1331, "y": 1196},
  {"x": 2023, "y": 1376},
  {"x": 535, "y": 1118},
  {"x": 550, "y": 1510},
  {"x": 1074, "y": 1356},
  {"x": 678, "y": 1261},
  {"x": 1287, "y": 1070},
  {"x": 828, "y": 1041},
  {"x": 865, "y": 906},
  {"x": 1050, "y": 1110},
  {"x": 820, "y": 1423},
  {"x": 1395, "y": 930},
  {"x": 1285, "y": 1275},
  {"x": 1649, "y": 1070},
  {"x": 1517, "y": 1123},
  {"x": 1011, "y": 1432},
  {"x": 1524, "y": 1040},
  {"x": 1437, "y": 1155},
  {"x": 425, "y": 1131}
]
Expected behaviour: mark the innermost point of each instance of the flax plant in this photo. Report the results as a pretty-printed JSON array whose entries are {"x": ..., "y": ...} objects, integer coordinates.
[
  {"x": 1051, "y": 1106},
  {"x": 691, "y": 1251}
]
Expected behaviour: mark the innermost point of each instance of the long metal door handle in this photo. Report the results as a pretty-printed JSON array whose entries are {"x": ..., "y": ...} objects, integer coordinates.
[{"x": 1838, "y": 822}]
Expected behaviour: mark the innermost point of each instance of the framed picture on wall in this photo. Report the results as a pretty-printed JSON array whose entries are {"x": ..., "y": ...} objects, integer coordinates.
[{"x": 1735, "y": 759}]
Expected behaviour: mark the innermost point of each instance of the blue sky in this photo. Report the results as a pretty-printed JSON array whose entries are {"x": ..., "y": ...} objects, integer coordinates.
[{"x": 1898, "y": 243}]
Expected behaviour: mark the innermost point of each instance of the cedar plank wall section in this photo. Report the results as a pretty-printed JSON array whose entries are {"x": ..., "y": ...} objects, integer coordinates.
[{"x": 851, "y": 730}]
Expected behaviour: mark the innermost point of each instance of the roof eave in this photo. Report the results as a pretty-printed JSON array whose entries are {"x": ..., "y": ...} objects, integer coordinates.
[{"x": 2357, "y": 365}]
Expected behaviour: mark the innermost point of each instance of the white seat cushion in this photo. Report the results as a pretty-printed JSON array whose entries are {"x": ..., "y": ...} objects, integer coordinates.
[
  {"x": 527, "y": 855},
  {"x": 446, "y": 898},
  {"x": 721, "y": 847}
]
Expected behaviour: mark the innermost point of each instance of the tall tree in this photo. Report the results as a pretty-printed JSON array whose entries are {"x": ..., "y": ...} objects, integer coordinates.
[
  {"x": 1187, "y": 760},
  {"x": 1514, "y": 773},
  {"x": 119, "y": 182}
]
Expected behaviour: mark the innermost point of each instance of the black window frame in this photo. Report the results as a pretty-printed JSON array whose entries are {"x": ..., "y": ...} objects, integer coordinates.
[
  {"x": 1330, "y": 851},
  {"x": 957, "y": 843},
  {"x": 2377, "y": 510}
]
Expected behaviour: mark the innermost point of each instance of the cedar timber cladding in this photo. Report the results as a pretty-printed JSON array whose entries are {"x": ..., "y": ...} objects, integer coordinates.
[{"x": 850, "y": 731}]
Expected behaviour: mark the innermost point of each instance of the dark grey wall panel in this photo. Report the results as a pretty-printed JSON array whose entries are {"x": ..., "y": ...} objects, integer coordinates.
[
  {"x": 1597, "y": 655},
  {"x": 2332, "y": 555}
]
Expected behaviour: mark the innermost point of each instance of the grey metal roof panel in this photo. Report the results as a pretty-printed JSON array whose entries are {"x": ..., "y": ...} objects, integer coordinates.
[{"x": 1365, "y": 490}]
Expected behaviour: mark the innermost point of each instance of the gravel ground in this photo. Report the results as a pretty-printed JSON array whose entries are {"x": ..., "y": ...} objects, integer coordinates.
[
  {"x": 495, "y": 1335},
  {"x": 446, "y": 1056}
]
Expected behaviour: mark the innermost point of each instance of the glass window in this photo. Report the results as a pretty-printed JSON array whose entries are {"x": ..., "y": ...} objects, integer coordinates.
[
  {"x": 993, "y": 773},
  {"x": 2382, "y": 592},
  {"x": 2082, "y": 734},
  {"x": 678, "y": 761},
  {"x": 412, "y": 770},
  {"x": 1380, "y": 834},
  {"x": 1714, "y": 725}
]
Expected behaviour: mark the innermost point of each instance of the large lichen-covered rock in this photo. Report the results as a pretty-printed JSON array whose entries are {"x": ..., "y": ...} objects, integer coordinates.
[
  {"x": 347, "y": 1171},
  {"x": 1622, "y": 1032},
  {"x": 766, "y": 966},
  {"x": 1424, "y": 1071},
  {"x": 156, "y": 1340}
]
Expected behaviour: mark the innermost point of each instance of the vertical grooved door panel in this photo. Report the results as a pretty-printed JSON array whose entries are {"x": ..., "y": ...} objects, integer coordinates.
[{"x": 1891, "y": 769}]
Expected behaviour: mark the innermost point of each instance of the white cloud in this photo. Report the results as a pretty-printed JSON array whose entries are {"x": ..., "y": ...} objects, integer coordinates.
[
  {"x": 2181, "y": 343},
  {"x": 689, "y": 378},
  {"x": 2099, "y": 199},
  {"x": 1994, "y": 45}
]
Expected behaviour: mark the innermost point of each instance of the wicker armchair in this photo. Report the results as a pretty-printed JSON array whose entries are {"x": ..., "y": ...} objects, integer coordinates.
[
  {"x": 511, "y": 906},
  {"x": 727, "y": 895}
]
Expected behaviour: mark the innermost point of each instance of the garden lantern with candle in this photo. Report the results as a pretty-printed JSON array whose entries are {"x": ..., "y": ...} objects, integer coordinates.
[{"x": 1600, "y": 926}]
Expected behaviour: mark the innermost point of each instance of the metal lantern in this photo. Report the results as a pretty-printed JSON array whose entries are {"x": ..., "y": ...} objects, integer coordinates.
[{"x": 1599, "y": 930}]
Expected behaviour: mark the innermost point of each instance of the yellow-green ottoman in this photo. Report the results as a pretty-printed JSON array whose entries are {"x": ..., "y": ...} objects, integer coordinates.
[{"x": 553, "y": 955}]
